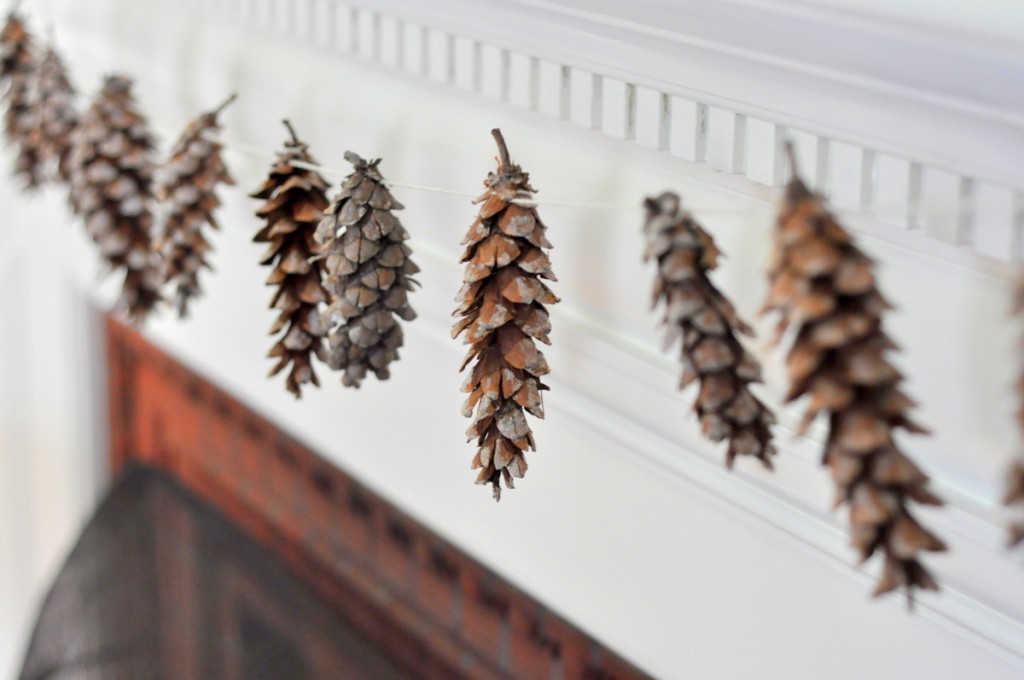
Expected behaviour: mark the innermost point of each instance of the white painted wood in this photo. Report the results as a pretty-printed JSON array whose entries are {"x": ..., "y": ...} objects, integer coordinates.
[
  {"x": 612, "y": 107},
  {"x": 50, "y": 407},
  {"x": 688, "y": 138},
  {"x": 649, "y": 120},
  {"x": 580, "y": 89},
  {"x": 758, "y": 58},
  {"x": 726, "y": 140},
  {"x": 552, "y": 92}
]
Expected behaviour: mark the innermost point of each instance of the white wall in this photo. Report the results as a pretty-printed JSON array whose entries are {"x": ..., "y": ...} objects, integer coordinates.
[
  {"x": 51, "y": 406},
  {"x": 626, "y": 522}
]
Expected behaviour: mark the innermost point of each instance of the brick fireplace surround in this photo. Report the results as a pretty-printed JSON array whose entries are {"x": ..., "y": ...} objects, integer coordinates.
[{"x": 424, "y": 603}]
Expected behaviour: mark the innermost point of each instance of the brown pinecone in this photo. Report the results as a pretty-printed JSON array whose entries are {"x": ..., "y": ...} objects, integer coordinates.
[
  {"x": 1014, "y": 496},
  {"x": 295, "y": 199},
  {"x": 825, "y": 289},
  {"x": 19, "y": 61},
  {"x": 57, "y": 116},
  {"x": 502, "y": 308},
  {"x": 698, "y": 314},
  {"x": 112, "y": 167},
  {"x": 368, "y": 274},
  {"x": 187, "y": 185}
]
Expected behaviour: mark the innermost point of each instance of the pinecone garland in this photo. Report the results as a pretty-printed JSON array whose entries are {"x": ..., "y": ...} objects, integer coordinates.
[
  {"x": 825, "y": 289},
  {"x": 57, "y": 116},
  {"x": 368, "y": 274},
  {"x": 502, "y": 308},
  {"x": 188, "y": 186},
  {"x": 698, "y": 314},
  {"x": 112, "y": 168},
  {"x": 294, "y": 202},
  {"x": 19, "y": 61}
]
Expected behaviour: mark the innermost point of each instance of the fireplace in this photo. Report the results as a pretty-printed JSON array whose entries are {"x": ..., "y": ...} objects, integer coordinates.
[{"x": 228, "y": 549}]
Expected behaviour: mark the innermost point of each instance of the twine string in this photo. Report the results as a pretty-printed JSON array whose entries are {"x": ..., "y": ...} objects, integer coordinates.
[{"x": 337, "y": 173}]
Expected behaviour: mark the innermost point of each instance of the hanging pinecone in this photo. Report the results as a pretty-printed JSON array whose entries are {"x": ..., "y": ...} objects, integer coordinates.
[
  {"x": 112, "y": 167},
  {"x": 295, "y": 198},
  {"x": 368, "y": 274},
  {"x": 187, "y": 186},
  {"x": 698, "y": 314},
  {"x": 19, "y": 60},
  {"x": 825, "y": 289},
  {"x": 502, "y": 308},
  {"x": 57, "y": 116},
  {"x": 1014, "y": 497}
]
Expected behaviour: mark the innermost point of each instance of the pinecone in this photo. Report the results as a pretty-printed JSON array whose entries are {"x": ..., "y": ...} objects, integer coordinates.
[
  {"x": 188, "y": 183},
  {"x": 57, "y": 115},
  {"x": 368, "y": 274},
  {"x": 697, "y": 313},
  {"x": 825, "y": 289},
  {"x": 1014, "y": 496},
  {"x": 19, "y": 61},
  {"x": 295, "y": 199},
  {"x": 502, "y": 308},
  {"x": 112, "y": 167}
]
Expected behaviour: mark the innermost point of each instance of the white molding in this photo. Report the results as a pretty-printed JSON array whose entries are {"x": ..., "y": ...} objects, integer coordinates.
[{"x": 821, "y": 74}]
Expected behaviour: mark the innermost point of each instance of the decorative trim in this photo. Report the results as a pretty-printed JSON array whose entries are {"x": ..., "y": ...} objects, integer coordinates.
[{"x": 911, "y": 155}]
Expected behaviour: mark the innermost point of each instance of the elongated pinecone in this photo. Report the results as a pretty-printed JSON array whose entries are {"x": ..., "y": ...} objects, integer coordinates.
[
  {"x": 294, "y": 202},
  {"x": 1014, "y": 497},
  {"x": 19, "y": 61},
  {"x": 698, "y": 314},
  {"x": 369, "y": 274},
  {"x": 57, "y": 116},
  {"x": 112, "y": 168},
  {"x": 825, "y": 289},
  {"x": 502, "y": 308},
  {"x": 188, "y": 188}
]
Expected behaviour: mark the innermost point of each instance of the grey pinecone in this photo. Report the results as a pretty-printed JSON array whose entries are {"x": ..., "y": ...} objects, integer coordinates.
[
  {"x": 19, "y": 63},
  {"x": 706, "y": 323},
  {"x": 187, "y": 188},
  {"x": 368, "y": 274},
  {"x": 57, "y": 115},
  {"x": 112, "y": 190}
]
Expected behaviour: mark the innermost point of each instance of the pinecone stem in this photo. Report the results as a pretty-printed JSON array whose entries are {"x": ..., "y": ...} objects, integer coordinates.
[
  {"x": 291, "y": 131},
  {"x": 230, "y": 100},
  {"x": 791, "y": 155},
  {"x": 506, "y": 162}
]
